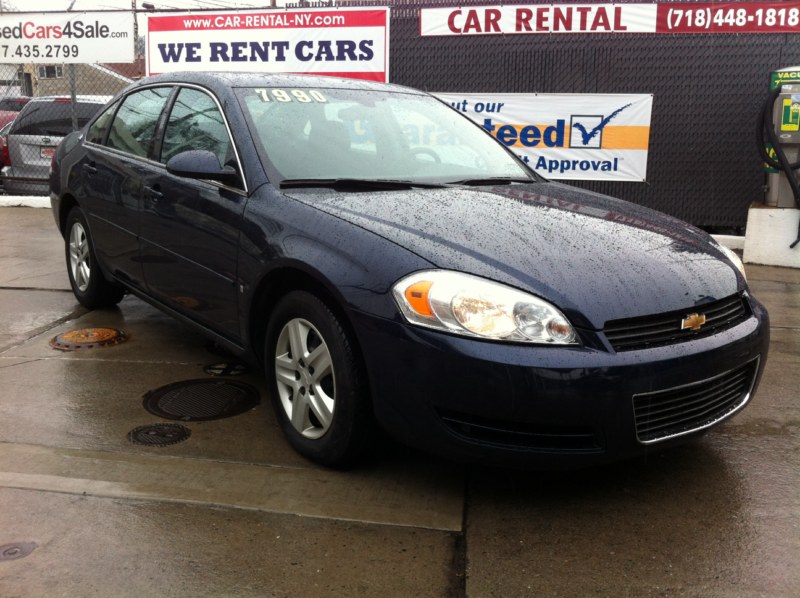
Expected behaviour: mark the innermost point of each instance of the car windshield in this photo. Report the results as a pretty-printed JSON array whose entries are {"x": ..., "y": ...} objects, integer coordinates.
[{"x": 335, "y": 135}]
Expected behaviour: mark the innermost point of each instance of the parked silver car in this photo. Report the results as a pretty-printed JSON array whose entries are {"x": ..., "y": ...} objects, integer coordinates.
[{"x": 32, "y": 140}]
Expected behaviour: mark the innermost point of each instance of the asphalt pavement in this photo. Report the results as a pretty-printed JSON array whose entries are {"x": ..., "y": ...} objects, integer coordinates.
[{"x": 231, "y": 510}]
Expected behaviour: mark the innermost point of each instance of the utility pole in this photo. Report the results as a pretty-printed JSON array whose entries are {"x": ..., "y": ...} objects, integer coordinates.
[
  {"x": 73, "y": 85},
  {"x": 135, "y": 30}
]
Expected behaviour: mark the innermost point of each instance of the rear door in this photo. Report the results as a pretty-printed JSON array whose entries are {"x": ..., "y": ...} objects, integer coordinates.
[
  {"x": 113, "y": 170},
  {"x": 190, "y": 228}
]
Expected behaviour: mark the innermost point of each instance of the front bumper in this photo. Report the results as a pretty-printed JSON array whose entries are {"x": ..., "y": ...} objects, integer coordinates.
[{"x": 552, "y": 407}]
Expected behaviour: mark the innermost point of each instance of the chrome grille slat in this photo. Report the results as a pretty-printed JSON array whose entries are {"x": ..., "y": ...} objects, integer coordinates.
[
  {"x": 678, "y": 402},
  {"x": 672, "y": 412},
  {"x": 728, "y": 312},
  {"x": 662, "y": 329},
  {"x": 691, "y": 414},
  {"x": 645, "y": 331}
]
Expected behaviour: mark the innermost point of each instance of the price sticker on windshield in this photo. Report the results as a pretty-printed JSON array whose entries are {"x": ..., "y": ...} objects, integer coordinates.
[{"x": 304, "y": 96}]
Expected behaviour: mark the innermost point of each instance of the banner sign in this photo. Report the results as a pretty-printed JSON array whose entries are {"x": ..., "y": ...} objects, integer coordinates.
[
  {"x": 664, "y": 17},
  {"x": 590, "y": 137},
  {"x": 66, "y": 37},
  {"x": 343, "y": 42}
]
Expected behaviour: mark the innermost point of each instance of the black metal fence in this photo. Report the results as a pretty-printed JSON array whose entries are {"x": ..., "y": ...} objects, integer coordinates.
[{"x": 703, "y": 163}]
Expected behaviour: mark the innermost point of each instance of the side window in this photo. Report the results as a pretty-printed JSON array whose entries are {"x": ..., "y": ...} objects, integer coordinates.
[
  {"x": 134, "y": 126},
  {"x": 97, "y": 132},
  {"x": 195, "y": 123}
]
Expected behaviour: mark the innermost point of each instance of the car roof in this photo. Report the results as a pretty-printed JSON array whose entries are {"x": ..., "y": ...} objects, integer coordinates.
[{"x": 217, "y": 80}]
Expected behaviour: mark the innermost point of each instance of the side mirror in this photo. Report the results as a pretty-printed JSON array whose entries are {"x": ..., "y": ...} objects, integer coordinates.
[{"x": 201, "y": 164}]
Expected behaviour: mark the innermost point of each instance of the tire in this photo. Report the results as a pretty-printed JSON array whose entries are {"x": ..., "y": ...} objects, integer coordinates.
[
  {"x": 89, "y": 286},
  {"x": 316, "y": 382}
]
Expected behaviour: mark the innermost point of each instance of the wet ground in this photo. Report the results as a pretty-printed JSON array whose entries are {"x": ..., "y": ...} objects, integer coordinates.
[{"x": 232, "y": 511}]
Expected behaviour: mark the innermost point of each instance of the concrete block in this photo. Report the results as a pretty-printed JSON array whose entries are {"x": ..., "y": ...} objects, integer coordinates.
[
  {"x": 23, "y": 201},
  {"x": 770, "y": 231}
]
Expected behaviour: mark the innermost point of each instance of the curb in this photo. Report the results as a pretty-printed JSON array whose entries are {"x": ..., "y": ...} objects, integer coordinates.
[{"x": 23, "y": 201}]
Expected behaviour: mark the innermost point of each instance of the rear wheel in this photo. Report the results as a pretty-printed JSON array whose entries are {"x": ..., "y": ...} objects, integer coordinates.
[
  {"x": 317, "y": 385},
  {"x": 89, "y": 286}
]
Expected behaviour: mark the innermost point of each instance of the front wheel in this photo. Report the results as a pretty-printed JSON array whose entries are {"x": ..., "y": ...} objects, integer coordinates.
[
  {"x": 89, "y": 286},
  {"x": 316, "y": 381}
]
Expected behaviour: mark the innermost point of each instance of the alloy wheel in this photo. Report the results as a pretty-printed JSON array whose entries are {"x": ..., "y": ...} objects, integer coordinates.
[
  {"x": 79, "y": 258},
  {"x": 305, "y": 376}
]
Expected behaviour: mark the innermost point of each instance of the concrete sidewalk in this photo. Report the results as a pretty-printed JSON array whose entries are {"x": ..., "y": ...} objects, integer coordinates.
[{"x": 233, "y": 511}]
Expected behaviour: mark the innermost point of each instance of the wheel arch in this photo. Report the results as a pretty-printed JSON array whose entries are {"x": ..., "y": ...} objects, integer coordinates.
[
  {"x": 65, "y": 205},
  {"x": 276, "y": 284}
]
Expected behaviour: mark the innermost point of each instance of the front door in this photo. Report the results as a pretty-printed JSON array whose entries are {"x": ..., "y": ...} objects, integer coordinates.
[{"x": 190, "y": 228}]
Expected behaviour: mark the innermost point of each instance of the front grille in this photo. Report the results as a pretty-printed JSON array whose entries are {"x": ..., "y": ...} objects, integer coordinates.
[
  {"x": 678, "y": 411},
  {"x": 521, "y": 435},
  {"x": 665, "y": 329}
]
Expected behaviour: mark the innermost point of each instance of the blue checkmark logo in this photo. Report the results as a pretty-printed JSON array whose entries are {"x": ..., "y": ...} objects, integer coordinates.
[{"x": 590, "y": 129}]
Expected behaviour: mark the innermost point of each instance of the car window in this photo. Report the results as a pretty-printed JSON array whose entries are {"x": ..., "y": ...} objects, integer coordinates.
[
  {"x": 53, "y": 117},
  {"x": 329, "y": 133},
  {"x": 195, "y": 123},
  {"x": 97, "y": 131},
  {"x": 134, "y": 126}
]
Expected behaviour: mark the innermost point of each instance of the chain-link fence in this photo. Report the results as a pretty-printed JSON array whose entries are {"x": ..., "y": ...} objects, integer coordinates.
[{"x": 39, "y": 105}]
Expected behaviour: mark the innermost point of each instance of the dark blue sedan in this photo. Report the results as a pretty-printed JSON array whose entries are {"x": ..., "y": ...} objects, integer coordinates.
[{"x": 393, "y": 266}]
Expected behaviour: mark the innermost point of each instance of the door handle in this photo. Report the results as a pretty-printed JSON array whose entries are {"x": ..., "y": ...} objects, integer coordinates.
[
  {"x": 153, "y": 194},
  {"x": 89, "y": 169}
]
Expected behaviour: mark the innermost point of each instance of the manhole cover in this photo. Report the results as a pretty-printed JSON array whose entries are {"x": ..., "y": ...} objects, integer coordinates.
[
  {"x": 88, "y": 338},
  {"x": 159, "y": 434},
  {"x": 225, "y": 369},
  {"x": 18, "y": 550},
  {"x": 201, "y": 400}
]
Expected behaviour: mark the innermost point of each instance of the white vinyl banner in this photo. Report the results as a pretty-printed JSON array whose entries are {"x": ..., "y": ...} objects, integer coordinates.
[
  {"x": 66, "y": 37},
  {"x": 344, "y": 42},
  {"x": 591, "y": 137}
]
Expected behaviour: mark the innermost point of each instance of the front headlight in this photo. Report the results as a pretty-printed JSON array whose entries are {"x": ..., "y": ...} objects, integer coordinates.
[
  {"x": 471, "y": 306},
  {"x": 731, "y": 255}
]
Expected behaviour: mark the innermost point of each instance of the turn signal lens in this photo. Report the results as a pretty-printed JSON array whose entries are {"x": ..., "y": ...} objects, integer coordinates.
[
  {"x": 417, "y": 298},
  {"x": 472, "y": 306}
]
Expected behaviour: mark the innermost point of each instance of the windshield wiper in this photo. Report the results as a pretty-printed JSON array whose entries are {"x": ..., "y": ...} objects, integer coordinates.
[
  {"x": 357, "y": 184},
  {"x": 500, "y": 180}
]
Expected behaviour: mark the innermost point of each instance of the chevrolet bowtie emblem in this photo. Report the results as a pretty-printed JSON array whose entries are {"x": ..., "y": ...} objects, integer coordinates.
[{"x": 693, "y": 322}]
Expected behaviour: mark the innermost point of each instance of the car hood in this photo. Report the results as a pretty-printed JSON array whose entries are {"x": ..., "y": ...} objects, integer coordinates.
[{"x": 595, "y": 257}]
